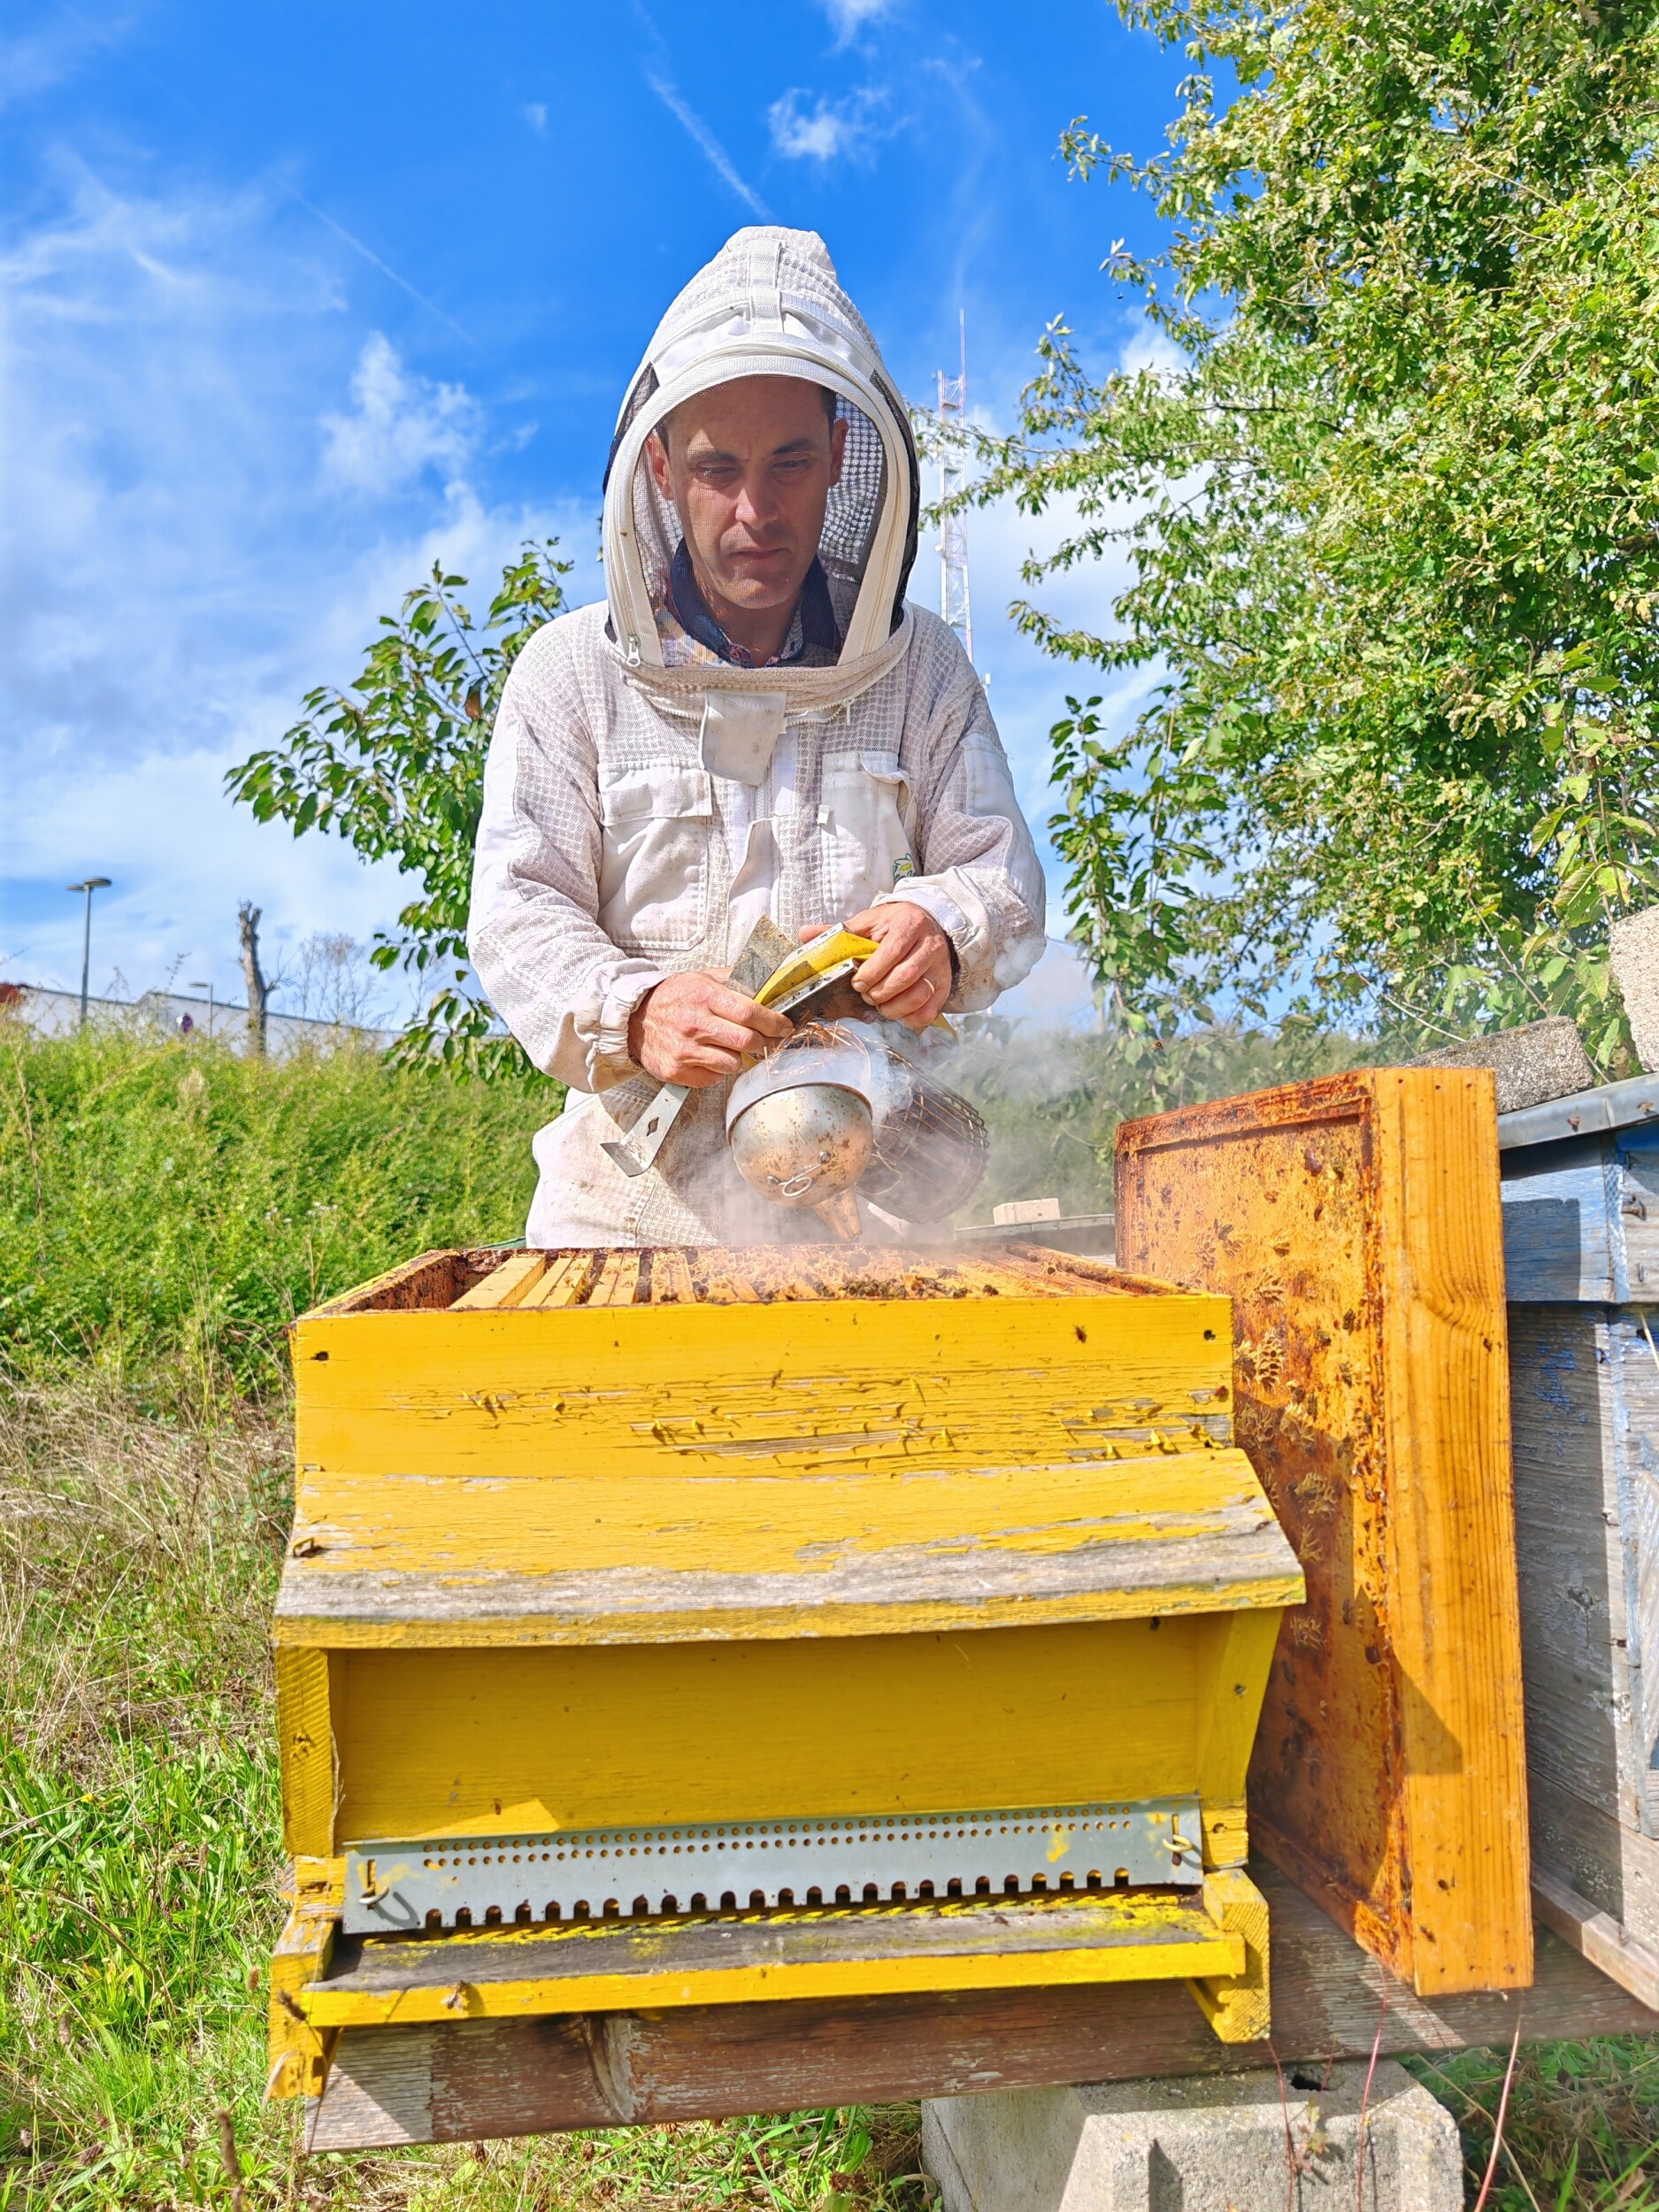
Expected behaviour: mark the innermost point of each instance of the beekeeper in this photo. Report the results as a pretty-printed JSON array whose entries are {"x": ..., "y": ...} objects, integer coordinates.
[{"x": 754, "y": 723}]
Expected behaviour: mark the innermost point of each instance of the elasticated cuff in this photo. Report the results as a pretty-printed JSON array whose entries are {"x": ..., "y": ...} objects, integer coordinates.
[{"x": 611, "y": 1060}]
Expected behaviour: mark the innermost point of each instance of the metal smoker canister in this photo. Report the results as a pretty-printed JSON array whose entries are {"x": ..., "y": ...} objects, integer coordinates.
[{"x": 796, "y": 1129}]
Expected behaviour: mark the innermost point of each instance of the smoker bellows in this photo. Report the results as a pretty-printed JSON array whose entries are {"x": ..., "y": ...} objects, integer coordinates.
[{"x": 697, "y": 1626}]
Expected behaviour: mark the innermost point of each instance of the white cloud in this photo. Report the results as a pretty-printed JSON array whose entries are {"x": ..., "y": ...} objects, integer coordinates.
[
  {"x": 850, "y": 16},
  {"x": 535, "y": 115},
  {"x": 178, "y": 569},
  {"x": 401, "y": 427},
  {"x": 833, "y": 127}
]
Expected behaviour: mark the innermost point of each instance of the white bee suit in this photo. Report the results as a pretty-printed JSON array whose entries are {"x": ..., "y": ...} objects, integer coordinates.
[{"x": 639, "y": 817}]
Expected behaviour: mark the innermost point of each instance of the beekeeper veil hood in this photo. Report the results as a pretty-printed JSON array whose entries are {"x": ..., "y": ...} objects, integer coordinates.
[{"x": 769, "y": 304}]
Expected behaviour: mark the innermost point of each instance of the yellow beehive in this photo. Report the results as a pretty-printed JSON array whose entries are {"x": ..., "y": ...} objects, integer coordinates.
[{"x": 697, "y": 1626}]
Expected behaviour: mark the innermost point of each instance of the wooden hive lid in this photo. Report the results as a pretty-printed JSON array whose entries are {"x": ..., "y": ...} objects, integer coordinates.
[{"x": 805, "y": 1440}]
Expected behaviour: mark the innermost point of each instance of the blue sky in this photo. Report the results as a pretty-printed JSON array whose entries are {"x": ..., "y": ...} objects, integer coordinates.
[{"x": 299, "y": 297}]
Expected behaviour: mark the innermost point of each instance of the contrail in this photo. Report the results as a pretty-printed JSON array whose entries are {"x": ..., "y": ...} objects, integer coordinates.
[
  {"x": 698, "y": 130},
  {"x": 287, "y": 190}
]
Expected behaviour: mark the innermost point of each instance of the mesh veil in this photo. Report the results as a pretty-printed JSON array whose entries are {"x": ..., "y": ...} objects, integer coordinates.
[{"x": 809, "y": 316}]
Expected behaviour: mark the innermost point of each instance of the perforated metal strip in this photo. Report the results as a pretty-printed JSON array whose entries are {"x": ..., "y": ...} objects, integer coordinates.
[{"x": 481, "y": 1880}]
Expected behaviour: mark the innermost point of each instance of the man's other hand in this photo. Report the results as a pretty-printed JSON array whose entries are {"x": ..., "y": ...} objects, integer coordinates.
[
  {"x": 909, "y": 977},
  {"x": 694, "y": 1029}
]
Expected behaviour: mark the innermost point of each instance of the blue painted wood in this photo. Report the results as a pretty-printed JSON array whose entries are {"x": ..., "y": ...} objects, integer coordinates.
[
  {"x": 1581, "y": 1219},
  {"x": 1564, "y": 1237}
]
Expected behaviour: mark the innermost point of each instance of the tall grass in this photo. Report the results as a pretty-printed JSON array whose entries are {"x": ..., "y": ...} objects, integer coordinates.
[{"x": 166, "y": 1209}]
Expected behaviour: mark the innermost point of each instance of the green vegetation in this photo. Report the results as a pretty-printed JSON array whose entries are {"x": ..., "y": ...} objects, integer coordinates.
[
  {"x": 1386, "y": 493},
  {"x": 145, "y": 1459},
  {"x": 166, "y": 1210},
  {"x": 395, "y": 766}
]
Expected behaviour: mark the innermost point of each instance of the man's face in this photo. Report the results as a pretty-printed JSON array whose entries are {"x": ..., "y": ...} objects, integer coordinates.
[{"x": 748, "y": 467}]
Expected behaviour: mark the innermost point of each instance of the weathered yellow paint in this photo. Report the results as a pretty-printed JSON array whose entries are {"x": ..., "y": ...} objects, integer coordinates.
[
  {"x": 1238, "y": 1659},
  {"x": 305, "y": 1737},
  {"x": 962, "y": 1382},
  {"x": 1237, "y": 2007},
  {"x": 464, "y": 1742},
  {"x": 1193, "y": 1944},
  {"x": 724, "y": 1514},
  {"x": 299, "y": 2046},
  {"x": 1210, "y": 1955},
  {"x": 1226, "y": 1835},
  {"x": 784, "y": 1621},
  {"x": 566, "y": 1565}
]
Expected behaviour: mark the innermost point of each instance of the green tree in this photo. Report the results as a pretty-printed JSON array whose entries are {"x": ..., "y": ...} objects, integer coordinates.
[
  {"x": 395, "y": 766},
  {"x": 1387, "y": 504}
]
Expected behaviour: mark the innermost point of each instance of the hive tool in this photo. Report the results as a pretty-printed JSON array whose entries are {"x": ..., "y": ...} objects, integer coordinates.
[{"x": 799, "y": 980}]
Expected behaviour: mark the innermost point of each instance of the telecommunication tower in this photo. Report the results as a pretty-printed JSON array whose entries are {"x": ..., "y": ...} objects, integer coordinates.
[{"x": 953, "y": 602}]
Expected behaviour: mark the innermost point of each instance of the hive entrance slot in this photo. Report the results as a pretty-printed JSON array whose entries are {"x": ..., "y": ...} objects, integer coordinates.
[{"x": 484, "y": 1882}]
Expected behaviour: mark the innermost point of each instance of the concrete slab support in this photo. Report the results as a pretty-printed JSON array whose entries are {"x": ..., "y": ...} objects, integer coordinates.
[{"x": 1202, "y": 2143}]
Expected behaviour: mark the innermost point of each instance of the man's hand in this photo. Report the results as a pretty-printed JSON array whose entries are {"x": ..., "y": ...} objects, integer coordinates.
[
  {"x": 692, "y": 1029},
  {"x": 910, "y": 978}
]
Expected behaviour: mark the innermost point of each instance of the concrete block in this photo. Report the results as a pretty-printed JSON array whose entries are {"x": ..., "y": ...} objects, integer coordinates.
[
  {"x": 1201, "y": 2143},
  {"x": 1632, "y": 948},
  {"x": 1534, "y": 1064}
]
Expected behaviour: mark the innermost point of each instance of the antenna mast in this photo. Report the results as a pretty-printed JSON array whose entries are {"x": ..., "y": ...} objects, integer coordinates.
[{"x": 953, "y": 602}]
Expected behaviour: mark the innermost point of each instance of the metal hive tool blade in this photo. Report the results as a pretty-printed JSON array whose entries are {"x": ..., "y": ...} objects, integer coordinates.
[{"x": 765, "y": 947}]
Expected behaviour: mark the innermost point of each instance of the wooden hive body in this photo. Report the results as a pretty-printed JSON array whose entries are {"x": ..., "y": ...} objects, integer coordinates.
[
  {"x": 1581, "y": 1250},
  {"x": 1355, "y": 1222},
  {"x": 597, "y": 1542}
]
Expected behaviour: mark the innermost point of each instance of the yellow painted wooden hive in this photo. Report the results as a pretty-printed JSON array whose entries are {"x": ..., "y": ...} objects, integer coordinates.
[{"x": 701, "y": 1626}]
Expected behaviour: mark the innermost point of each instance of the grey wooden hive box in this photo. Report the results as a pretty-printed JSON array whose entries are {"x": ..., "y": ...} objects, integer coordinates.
[{"x": 1581, "y": 1252}]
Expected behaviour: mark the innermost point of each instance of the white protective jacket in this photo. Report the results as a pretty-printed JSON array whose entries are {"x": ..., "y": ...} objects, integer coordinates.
[{"x": 639, "y": 818}]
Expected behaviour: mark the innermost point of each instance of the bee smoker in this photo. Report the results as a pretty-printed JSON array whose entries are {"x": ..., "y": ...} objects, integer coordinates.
[{"x": 839, "y": 1108}]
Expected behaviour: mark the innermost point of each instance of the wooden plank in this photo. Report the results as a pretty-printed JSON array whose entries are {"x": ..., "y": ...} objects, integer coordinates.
[
  {"x": 1638, "y": 1209},
  {"x": 428, "y": 1282},
  {"x": 524, "y": 1740},
  {"x": 1562, "y": 1236},
  {"x": 1597, "y": 1937},
  {"x": 618, "y": 1282},
  {"x": 1614, "y": 1867},
  {"x": 505, "y": 1286},
  {"x": 670, "y": 1277},
  {"x": 772, "y": 1957},
  {"x": 1581, "y": 1700},
  {"x": 475, "y": 2079},
  {"x": 1356, "y": 1222},
  {"x": 305, "y": 1740},
  {"x": 564, "y": 1284},
  {"x": 682, "y": 1471},
  {"x": 408, "y": 1560}
]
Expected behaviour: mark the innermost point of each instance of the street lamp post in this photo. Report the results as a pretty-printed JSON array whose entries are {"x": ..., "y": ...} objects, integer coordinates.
[
  {"x": 207, "y": 987},
  {"x": 92, "y": 884}
]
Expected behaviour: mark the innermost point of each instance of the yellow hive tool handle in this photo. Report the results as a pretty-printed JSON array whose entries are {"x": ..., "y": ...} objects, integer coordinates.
[{"x": 816, "y": 959}]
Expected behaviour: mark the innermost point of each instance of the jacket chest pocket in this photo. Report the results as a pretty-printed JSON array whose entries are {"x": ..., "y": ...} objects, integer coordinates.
[
  {"x": 866, "y": 798},
  {"x": 654, "y": 874}
]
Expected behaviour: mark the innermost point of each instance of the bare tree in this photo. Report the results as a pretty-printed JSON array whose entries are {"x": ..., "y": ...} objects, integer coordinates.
[
  {"x": 259, "y": 990},
  {"x": 335, "y": 982}
]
